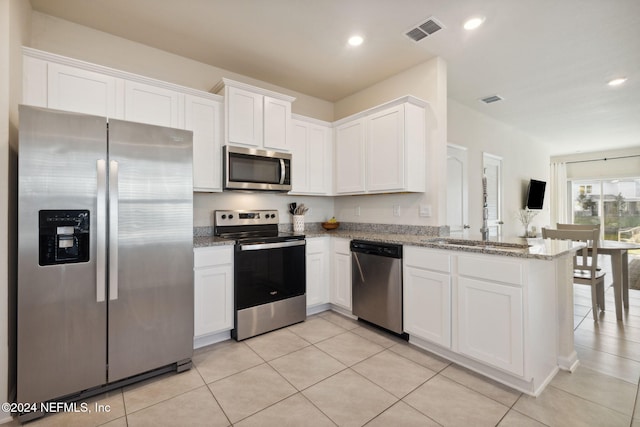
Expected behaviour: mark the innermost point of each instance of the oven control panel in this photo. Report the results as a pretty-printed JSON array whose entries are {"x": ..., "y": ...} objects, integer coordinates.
[{"x": 257, "y": 217}]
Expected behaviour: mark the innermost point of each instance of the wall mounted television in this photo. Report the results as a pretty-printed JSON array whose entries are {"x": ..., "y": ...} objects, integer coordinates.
[{"x": 535, "y": 194}]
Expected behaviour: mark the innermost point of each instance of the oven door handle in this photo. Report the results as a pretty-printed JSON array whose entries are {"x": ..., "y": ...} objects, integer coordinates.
[{"x": 276, "y": 245}]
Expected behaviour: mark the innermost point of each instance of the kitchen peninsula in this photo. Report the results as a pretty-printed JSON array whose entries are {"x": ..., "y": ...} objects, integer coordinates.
[{"x": 503, "y": 309}]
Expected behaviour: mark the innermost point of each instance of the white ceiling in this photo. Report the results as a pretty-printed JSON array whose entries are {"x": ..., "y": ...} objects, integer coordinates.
[{"x": 550, "y": 60}]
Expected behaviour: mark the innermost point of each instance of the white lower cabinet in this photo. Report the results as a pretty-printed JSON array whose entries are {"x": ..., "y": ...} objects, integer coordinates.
[
  {"x": 427, "y": 295},
  {"x": 490, "y": 321},
  {"x": 341, "y": 269},
  {"x": 493, "y": 314},
  {"x": 317, "y": 259},
  {"x": 213, "y": 294}
]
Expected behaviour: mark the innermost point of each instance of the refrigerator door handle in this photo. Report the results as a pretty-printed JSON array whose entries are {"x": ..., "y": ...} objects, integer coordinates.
[
  {"x": 113, "y": 230},
  {"x": 101, "y": 230}
]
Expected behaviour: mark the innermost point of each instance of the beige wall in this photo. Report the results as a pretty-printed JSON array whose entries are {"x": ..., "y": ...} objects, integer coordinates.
[
  {"x": 76, "y": 41},
  {"x": 15, "y": 17},
  {"x": 523, "y": 158}
]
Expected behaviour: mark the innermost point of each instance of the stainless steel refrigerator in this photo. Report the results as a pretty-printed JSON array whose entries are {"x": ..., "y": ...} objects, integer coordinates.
[{"x": 105, "y": 240}]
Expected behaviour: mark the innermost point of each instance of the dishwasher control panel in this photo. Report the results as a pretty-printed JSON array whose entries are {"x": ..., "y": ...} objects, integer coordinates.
[{"x": 377, "y": 248}]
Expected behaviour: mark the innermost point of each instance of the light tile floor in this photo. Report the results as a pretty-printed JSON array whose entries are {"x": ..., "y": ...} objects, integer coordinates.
[{"x": 332, "y": 370}]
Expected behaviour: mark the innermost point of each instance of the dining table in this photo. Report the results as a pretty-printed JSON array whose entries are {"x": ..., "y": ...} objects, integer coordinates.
[{"x": 618, "y": 251}]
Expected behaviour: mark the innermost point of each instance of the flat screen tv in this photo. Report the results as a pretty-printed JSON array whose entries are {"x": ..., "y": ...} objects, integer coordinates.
[{"x": 535, "y": 194}]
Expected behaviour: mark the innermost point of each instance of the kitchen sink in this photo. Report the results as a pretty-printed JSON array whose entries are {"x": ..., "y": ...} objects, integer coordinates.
[{"x": 480, "y": 244}]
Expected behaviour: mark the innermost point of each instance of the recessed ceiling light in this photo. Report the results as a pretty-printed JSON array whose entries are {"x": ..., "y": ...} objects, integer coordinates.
[
  {"x": 355, "y": 40},
  {"x": 473, "y": 23},
  {"x": 617, "y": 82}
]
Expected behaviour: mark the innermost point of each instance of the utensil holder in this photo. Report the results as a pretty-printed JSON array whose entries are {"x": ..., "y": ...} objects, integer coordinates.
[{"x": 298, "y": 223}]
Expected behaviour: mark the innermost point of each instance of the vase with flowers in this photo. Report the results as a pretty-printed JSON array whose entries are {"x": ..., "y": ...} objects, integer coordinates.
[{"x": 525, "y": 216}]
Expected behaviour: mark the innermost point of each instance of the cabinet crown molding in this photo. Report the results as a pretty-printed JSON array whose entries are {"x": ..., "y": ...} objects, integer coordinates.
[
  {"x": 59, "y": 59},
  {"x": 410, "y": 99},
  {"x": 228, "y": 82}
]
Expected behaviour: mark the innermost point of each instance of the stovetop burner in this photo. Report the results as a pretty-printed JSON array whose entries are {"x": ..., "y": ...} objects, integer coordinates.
[{"x": 251, "y": 226}]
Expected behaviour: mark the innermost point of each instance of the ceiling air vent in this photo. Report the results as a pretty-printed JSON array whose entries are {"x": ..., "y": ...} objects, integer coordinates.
[
  {"x": 491, "y": 99},
  {"x": 426, "y": 28}
]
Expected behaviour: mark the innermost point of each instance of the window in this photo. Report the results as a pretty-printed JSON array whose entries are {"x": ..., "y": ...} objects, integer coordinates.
[{"x": 614, "y": 203}]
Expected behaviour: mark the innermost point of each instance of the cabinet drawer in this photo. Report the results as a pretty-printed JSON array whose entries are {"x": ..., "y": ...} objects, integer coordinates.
[
  {"x": 499, "y": 269},
  {"x": 428, "y": 259},
  {"x": 207, "y": 257}
]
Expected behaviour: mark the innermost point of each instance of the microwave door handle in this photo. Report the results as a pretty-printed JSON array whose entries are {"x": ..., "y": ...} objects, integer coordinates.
[{"x": 282, "y": 171}]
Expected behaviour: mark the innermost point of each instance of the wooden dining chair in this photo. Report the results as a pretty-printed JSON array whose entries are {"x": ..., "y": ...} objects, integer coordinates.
[
  {"x": 560, "y": 226},
  {"x": 585, "y": 262}
]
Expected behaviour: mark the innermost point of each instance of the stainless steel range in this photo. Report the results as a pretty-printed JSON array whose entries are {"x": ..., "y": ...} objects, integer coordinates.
[{"x": 269, "y": 271}]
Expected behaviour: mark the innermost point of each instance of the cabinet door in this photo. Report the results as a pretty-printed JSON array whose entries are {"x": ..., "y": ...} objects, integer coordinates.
[
  {"x": 317, "y": 271},
  {"x": 244, "y": 117},
  {"x": 34, "y": 81},
  {"x": 385, "y": 150},
  {"x": 490, "y": 322},
  {"x": 204, "y": 117},
  {"x": 319, "y": 160},
  {"x": 153, "y": 105},
  {"x": 311, "y": 149},
  {"x": 299, "y": 145},
  {"x": 427, "y": 305},
  {"x": 213, "y": 305},
  {"x": 349, "y": 149},
  {"x": 81, "y": 91},
  {"x": 277, "y": 124},
  {"x": 341, "y": 283}
]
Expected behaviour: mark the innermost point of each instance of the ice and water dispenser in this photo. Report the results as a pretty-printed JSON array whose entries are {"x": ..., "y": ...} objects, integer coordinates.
[{"x": 64, "y": 236}]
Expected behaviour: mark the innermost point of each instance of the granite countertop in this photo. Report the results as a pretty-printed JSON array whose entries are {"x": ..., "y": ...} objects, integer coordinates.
[
  {"x": 536, "y": 248},
  {"x": 206, "y": 241},
  {"x": 516, "y": 247}
]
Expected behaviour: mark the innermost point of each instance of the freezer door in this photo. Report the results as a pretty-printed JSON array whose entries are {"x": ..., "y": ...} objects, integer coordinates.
[
  {"x": 150, "y": 248},
  {"x": 61, "y": 306}
]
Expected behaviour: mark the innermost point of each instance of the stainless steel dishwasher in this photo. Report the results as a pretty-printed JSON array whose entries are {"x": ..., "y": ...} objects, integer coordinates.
[{"x": 376, "y": 281}]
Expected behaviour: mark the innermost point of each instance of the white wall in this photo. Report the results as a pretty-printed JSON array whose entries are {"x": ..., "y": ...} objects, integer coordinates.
[
  {"x": 320, "y": 208},
  {"x": 523, "y": 159}
]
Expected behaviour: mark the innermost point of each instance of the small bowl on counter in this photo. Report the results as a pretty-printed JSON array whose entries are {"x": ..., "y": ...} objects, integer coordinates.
[{"x": 330, "y": 225}]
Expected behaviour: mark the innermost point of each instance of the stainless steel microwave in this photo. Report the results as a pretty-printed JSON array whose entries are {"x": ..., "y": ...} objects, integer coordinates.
[{"x": 256, "y": 170}]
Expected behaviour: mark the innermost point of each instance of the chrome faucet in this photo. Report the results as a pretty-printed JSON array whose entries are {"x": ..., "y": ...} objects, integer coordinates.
[{"x": 485, "y": 210}]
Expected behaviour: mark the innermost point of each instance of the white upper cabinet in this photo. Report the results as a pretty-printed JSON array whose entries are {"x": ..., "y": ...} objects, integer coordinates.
[
  {"x": 312, "y": 156},
  {"x": 277, "y": 124},
  {"x": 255, "y": 117},
  {"x": 54, "y": 81},
  {"x": 244, "y": 117},
  {"x": 153, "y": 105},
  {"x": 385, "y": 150},
  {"x": 203, "y": 116},
  {"x": 81, "y": 91},
  {"x": 350, "y": 157},
  {"x": 382, "y": 150}
]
